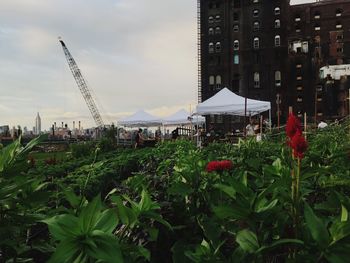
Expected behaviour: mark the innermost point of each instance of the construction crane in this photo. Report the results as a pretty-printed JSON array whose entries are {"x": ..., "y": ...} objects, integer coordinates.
[{"x": 82, "y": 86}]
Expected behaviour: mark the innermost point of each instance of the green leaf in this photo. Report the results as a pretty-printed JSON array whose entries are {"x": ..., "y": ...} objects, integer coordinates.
[
  {"x": 247, "y": 240},
  {"x": 262, "y": 206},
  {"x": 180, "y": 188},
  {"x": 62, "y": 227},
  {"x": 126, "y": 215},
  {"x": 231, "y": 212},
  {"x": 89, "y": 215},
  {"x": 230, "y": 191},
  {"x": 66, "y": 252},
  {"x": 72, "y": 198},
  {"x": 279, "y": 243},
  {"x": 107, "y": 221},
  {"x": 339, "y": 230},
  {"x": 317, "y": 228},
  {"x": 344, "y": 213},
  {"x": 107, "y": 249}
]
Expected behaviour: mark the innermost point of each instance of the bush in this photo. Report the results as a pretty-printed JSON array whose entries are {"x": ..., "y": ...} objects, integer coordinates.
[{"x": 83, "y": 149}]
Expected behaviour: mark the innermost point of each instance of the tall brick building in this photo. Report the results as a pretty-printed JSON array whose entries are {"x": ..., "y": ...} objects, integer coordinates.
[{"x": 271, "y": 50}]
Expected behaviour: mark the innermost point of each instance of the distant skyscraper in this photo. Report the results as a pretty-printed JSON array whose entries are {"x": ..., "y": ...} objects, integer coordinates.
[{"x": 37, "y": 124}]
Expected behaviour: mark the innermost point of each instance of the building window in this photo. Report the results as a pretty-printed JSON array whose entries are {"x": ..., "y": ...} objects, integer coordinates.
[
  {"x": 300, "y": 99},
  {"x": 297, "y": 29},
  {"x": 236, "y": 45},
  {"x": 277, "y": 41},
  {"x": 211, "y": 19},
  {"x": 211, "y": 47},
  {"x": 256, "y": 25},
  {"x": 218, "y": 81},
  {"x": 339, "y": 50},
  {"x": 278, "y": 78},
  {"x": 297, "y": 18},
  {"x": 317, "y": 27},
  {"x": 237, "y": 3},
  {"x": 277, "y": 23},
  {"x": 277, "y": 11},
  {"x": 211, "y": 80},
  {"x": 255, "y": 13},
  {"x": 298, "y": 65},
  {"x": 218, "y": 47},
  {"x": 299, "y": 78},
  {"x": 299, "y": 88},
  {"x": 338, "y": 25},
  {"x": 236, "y": 28},
  {"x": 256, "y": 80},
  {"x": 255, "y": 1},
  {"x": 218, "y": 18},
  {"x": 217, "y": 30},
  {"x": 317, "y": 15},
  {"x": 256, "y": 43},
  {"x": 236, "y": 59},
  {"x": 211, "y": 31},
  {"x": 339, "y": 37},
  {"x": 235, "y": 17},
  {"x": 338, "y": 12}
]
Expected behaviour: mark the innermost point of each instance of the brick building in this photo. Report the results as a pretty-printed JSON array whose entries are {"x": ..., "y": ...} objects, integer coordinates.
[{"x": 271, "y": 50}]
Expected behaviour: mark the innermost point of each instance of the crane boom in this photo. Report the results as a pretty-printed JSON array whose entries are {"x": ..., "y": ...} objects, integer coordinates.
[{"x": 82, "y": 86}]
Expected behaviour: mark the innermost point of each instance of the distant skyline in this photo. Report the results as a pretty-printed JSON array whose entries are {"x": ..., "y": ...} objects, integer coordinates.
[{"x": 134, "y": 54}]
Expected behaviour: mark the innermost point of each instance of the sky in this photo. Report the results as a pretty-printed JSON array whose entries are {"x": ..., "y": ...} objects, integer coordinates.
[{"x": 134, "y": 54}]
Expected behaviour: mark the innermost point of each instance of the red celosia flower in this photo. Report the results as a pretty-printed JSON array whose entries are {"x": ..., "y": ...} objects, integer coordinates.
[
  {"x": 219, "y": 165},
  {"x": 299, "y": 145},
  {"x": 293, "y": 126}
]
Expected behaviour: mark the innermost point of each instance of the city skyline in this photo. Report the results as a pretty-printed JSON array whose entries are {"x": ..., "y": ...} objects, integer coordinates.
[{"x": 134, "y": 55}]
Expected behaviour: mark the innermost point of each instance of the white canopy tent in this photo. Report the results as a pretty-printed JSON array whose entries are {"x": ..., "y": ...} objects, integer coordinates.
[
  {"x": 182, "y": 117},
  {"x": 225, "y": 102},
  {"x": 140, "y": 119}
]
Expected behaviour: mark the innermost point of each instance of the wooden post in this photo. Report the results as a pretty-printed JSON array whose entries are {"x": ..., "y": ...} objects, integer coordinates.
[
  {"x": 261, "y": 124},
  {"x": 245, "y": 117}
]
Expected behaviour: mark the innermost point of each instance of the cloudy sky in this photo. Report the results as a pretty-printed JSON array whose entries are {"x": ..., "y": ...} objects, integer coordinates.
[{"x": 134, "y": 54}]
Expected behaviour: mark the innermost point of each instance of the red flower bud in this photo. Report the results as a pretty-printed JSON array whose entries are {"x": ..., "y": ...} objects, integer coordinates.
[
  {"x": 293, "y": 126},
  {"x": 219, "y": 166},
  {"x": 299, "y": 145}
]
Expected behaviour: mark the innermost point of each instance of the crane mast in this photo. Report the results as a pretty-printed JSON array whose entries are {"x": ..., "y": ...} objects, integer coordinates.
[{"x": 82, "y": 86}]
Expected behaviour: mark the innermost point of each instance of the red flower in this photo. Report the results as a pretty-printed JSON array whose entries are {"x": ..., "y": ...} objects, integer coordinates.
[
  {"x": 293, "y": 126},
  {"x": 219, "y": 166},
  {"x": 299, "y": 145}
]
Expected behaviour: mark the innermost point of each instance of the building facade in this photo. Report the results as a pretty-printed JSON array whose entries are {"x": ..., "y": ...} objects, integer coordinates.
[
  {"x": 271, "y": 50},
  {"x": 37, "y": 130}
]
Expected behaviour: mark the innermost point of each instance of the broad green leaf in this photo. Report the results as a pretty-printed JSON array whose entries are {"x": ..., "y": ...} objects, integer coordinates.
[
  {"x": 263, "y": 206},
  {"x": 126, "y": 215},
  {"x": 63, "y": 226},
  {"x": 247, "y": 240},
  {"x": 108, "y": 248},
  {"x": 90, "y": 214},
  {"x": 279, "y": 243},
  {"x": 144, "y": 252},
  {"x": 231, "y": 212},
  {"x": 339, "y": 230},
  {"x": 230, "y": 191},
  {"x": 180, "y": 188},
  {"x": 72, "y": 198},
  {"x": 344, "y": 213},
  {"x": 317, "y": 228},
  {"x": 107, "y": 221},
  {"x": 146, "y": 202},
  {"x": 66, "y": 252}
]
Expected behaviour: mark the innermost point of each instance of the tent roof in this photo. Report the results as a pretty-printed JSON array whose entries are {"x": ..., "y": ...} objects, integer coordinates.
[
  {"x": 227, "y": 102},
  {"x": 181, "y": 117},
  {"x": 140, "y": 119}
]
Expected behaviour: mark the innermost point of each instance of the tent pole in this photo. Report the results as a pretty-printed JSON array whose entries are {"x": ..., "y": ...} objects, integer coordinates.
[{"x": 270, "y": 120}]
